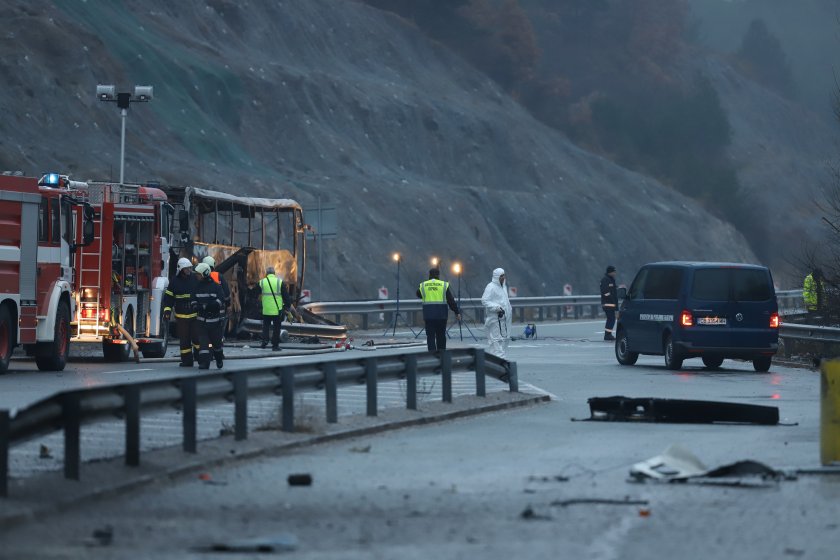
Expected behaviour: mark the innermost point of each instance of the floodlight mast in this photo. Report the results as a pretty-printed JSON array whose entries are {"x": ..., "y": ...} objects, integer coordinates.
[{"x": 108, "y": 93}]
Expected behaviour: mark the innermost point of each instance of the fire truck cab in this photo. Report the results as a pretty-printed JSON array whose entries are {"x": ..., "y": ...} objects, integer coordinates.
[
  {"x": 122, "y": 274},
  {"x": 38, "y": 239}
]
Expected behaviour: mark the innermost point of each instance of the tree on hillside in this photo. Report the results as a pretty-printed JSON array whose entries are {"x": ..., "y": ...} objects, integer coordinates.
[{"x": 762, "y": 58}]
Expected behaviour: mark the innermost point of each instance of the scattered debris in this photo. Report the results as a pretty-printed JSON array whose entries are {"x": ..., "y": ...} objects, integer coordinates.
[
  {"x": 102, "y": 536},
  {"x": 300, "y": 479},
  {"x": 644, "y": 512},
  {"x": 44, "y": 452},
  {"x": 625, "y": 409},
  {"x": 274, "y": 543},
  {"x": 531, "y": 515},
  {"x": 365, "y": 449},
  {"x": 599, "y": 501},
  {"x": 555, "y": 478},
  {"x": 677, "y": 464}
]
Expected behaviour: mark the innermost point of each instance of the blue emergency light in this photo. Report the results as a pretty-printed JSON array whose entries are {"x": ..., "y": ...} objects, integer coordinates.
[{"x": 52, "y": 179}]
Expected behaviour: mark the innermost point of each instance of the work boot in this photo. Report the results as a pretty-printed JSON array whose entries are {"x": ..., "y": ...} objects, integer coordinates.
[
  {"x": 263, "y": 345},
  {"x": 608, "y": 336},
  {"x": 275, "y": 348},
  {"x": 185, "y": 364},
  {"x": 219, "y": 363}
]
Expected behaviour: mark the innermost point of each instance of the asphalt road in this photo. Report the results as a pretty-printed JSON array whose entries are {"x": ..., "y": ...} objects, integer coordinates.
[{"x": 460, "y": 489}]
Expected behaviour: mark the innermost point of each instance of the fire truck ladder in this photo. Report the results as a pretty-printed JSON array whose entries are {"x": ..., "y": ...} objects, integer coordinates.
[{"x": 90, "y": 255}]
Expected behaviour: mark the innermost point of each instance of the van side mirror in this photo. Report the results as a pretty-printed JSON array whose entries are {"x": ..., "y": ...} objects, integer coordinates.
[{"x": 622, "y": 293}]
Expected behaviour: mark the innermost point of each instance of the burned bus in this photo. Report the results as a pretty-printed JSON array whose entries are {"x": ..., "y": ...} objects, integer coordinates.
[{"x": 244, "y": 235}]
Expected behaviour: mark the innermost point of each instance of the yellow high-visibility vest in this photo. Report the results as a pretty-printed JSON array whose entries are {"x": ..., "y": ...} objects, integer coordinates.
[{"x": 271, "y": 304}]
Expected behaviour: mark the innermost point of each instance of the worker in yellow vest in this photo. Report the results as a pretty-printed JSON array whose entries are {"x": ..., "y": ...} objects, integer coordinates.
[
  {"x": 813, "y": 291},
  {"x": 275, "y": 301},
  {"x": 436, "y": 298}
]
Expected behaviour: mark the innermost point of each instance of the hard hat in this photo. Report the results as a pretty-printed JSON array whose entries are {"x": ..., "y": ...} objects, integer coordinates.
[
  {"x": 209, "y": 261},
  {"x": 203, "y": 269},
  {"x": 182, "y": 264}
]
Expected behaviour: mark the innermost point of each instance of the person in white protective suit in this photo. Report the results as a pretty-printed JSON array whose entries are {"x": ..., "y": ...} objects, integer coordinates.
[{"x": 498, "y": 314}]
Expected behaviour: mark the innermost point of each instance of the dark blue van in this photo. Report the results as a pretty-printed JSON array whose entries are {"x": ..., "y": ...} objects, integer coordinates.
[{"x": 712, "y": 311}]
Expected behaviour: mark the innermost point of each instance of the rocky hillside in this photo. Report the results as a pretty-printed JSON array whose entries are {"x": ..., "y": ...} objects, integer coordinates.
[{"x": 305, "y": 98}]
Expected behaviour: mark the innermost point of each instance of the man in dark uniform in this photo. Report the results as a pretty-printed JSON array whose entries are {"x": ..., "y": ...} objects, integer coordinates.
[
  {"x": 219, "y": 279},
  {"x": 179, "y": 294},
  {"x": 609, "y": 301},
  {"x": 209, "y": 299},
  {"x": 436, "y": 297}
]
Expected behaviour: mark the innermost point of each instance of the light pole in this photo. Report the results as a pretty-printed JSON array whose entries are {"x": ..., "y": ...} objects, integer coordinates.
[
  {"x": 456, "y": 268},
  {"x": 393, "y": 324},
  {"x": 108, "y": 93}
]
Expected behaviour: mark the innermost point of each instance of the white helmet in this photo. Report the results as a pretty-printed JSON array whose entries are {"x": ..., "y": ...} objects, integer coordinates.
[
  {"x": 182, "y": 264},
  {"x": 203, "y": 269},
  {"x": 209, "y": 261}
]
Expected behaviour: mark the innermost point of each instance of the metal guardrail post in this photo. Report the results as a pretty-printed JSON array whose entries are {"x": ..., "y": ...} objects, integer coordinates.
[
  {"x": 331, "y": 390},
  {"x": 370, "y": 377},
  {"x": 577, "y": 312},
  {"x": 446, "y": 375},
  {"x": 513, "y": 378},
  {"x": 480, "y": 387},
  {"x": 188, "y": 411},
  {"x": 411, "y": 382},
  {"x": 364, "y": 321},
  {"x": 131, "y": 404},
  {"x": 5, "y": 428},
  {"x": 71, "y": 421},
  {"x": 287, "y": 380},
  {"x": 240, "y": 406}
]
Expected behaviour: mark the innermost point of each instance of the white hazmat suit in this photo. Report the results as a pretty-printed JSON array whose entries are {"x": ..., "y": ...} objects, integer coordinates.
[{"x": 494, "y": 300}]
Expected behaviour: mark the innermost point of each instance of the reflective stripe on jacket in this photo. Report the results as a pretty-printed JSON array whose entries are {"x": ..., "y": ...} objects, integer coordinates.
[
  {"x": 178, "y": 295},
  {"x": 272, "y": 300}
]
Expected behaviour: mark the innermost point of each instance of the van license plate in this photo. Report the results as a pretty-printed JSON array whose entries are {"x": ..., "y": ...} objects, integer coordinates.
[{"x": 711, "y": 320}]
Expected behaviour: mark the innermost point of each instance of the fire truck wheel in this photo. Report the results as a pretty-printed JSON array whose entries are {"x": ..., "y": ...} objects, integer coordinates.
[
  {"x": 52, "y": 356},
  {"x": 120, "y": 352},
  {"x": 158, "y": 350},
  {"x": 6, "y": 339}
]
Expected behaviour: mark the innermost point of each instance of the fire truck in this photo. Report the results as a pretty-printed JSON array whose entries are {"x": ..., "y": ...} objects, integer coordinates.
[
  {"x": 122, "y": 274},
  {"x": 38, "y": 239}
]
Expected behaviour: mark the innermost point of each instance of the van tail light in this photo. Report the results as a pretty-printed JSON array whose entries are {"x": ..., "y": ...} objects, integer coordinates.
[
  {"x": 774, "y": 320},
  {"x": 686, "y": 319}
]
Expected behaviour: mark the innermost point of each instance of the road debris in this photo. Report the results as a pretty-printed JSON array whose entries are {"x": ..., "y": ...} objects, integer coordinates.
[
  {"x": 554, "y": 478},
  {"x": 677, "y": 464},
  {"x": 102, "y": 536},
  {"x": 531, "y": 515},
  {"x": 283, "y": 542},
  {"x": 44, "y": 452},
  {"x": 300, "y": 479},
  {"x": 626, "y": 409},
  {"x": 599, "y": 501},
  {"x": 365, "y": 449}
]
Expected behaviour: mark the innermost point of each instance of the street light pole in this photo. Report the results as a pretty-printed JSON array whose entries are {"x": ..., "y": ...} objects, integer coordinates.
[{"x": 108, "y": 93}]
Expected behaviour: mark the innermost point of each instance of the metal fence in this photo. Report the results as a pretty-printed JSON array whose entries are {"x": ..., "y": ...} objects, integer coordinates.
[
  {"x": 68, "y": 410},
  {"x": 524, "y": 308}
]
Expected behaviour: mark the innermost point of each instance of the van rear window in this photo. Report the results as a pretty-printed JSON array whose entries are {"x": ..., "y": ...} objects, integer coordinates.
[
  {"x": 718, "y": 284},
  {"x": 751, "y": 285}
]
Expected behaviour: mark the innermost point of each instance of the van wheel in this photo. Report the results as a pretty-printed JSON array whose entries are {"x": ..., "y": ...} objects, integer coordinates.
[
  {"x": 52, "y": 356},
  {"x": 762, "y": 363},
  {"x": 712, "y": 363},
  {"x": 673, "y": 360},
  {"x": 622, "y": 350}
]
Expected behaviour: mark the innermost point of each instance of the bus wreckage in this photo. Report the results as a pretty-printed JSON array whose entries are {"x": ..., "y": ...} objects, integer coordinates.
[{"x": 244, "y": 235}]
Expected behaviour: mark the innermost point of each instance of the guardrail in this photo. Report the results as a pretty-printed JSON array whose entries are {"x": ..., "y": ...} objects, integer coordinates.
[
  {"x": 543, "y": 308},
  {"x": 792, "y": 333},
  {"x": 68, "y": 410}
]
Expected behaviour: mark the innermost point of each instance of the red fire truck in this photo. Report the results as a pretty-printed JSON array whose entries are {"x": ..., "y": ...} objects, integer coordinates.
[
  {"x": 38, "y": 238},
  {"x": 122, "y": 274}
]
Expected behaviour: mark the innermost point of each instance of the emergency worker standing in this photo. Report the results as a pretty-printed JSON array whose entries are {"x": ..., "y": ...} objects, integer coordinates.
[
  {"x": 436, "y": 297},
  {"x": 498, "y": 314},
  {"x": 209, "y": 300},
  {"x": 813, "y": 291},
  {"x": 609, "y": 301},
  {"x": 220, "y": 280},
  {"x": 275, "y": 301},
  {"x": 179, "y": 294}
]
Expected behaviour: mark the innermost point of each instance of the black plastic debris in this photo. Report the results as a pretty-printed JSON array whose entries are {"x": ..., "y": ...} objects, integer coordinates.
[
  {"x": 301, "y": 479},
  {"x": 598, "y": 501},
  {"x": 681, "y": 411},
  {"x": 531, "y": 515},
  {"x": 273, "y": 543},
  {"x": 102, "y": 536}
]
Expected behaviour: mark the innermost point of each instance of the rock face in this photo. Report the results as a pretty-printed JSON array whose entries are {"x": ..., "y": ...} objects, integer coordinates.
[
  {"x": 784, "y": 155},
  {"x": 418, "y": 152}
]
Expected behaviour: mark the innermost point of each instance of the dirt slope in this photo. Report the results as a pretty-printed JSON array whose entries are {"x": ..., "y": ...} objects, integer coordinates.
[{"x": 330, "y": 98}]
